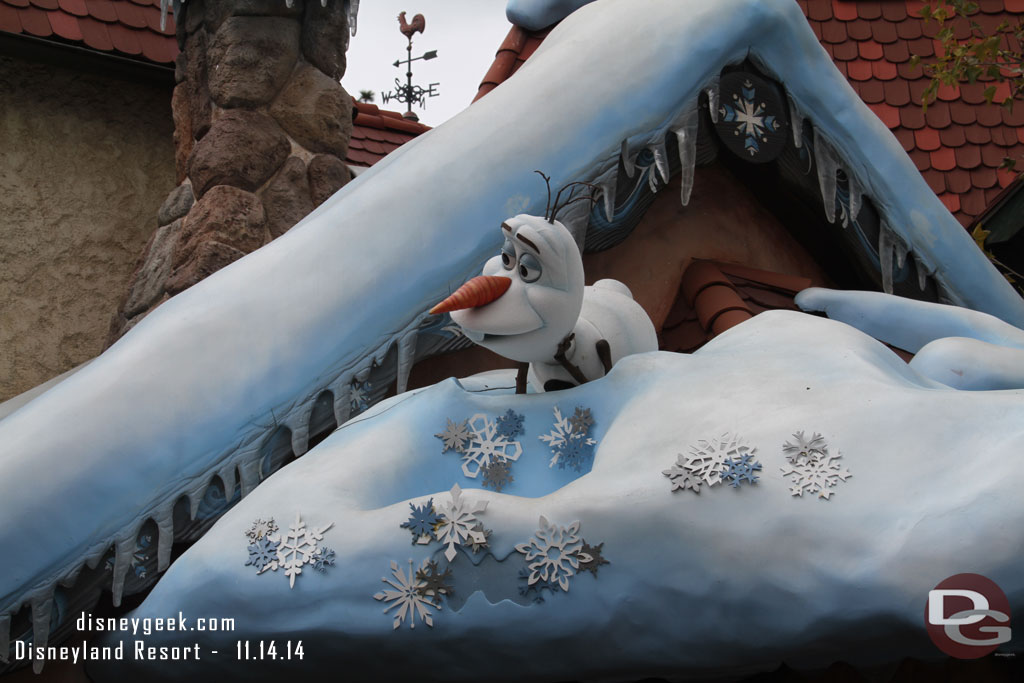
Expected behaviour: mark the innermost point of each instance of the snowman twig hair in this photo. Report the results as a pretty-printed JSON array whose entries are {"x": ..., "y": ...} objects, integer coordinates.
[
  {"x": 547, "y": 181},
  {"x": 570, "y": 199}
]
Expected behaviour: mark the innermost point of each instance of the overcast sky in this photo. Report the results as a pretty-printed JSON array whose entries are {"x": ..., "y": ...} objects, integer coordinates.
[{"x": 465, "y": 33}]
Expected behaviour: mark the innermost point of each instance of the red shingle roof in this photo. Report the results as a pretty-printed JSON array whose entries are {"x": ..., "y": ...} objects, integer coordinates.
[
  {"x": 128, "y": 27},
  {"x": 958, "y": 144},
  {"x": 376, "y": 133},
  {"x": 519, "y": 44}
]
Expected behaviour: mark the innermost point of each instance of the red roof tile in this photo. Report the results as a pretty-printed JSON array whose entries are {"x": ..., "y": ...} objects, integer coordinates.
[
  {"x": 376, "y": 133},
  {"x": 127, "y": 27}
]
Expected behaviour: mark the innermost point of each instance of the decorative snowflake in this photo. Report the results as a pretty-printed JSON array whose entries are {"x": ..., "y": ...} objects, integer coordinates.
[
  {"x": 581, "y": 420},
  {"x": 262, "y": 553},
  {"x": 261, "y": 528},
  {"x": 554, "y": 553},
  {"x": 485, "y": 445},
  {"x": 434, "y": 583},
  {"x": 291, "y": 550},
  {"x": 681, "y": 477},
  {"x": 510, "y": 425},
  {"x": 359, "y": 396},
  {"x": 141, "y": 555},
  {"x": 818, "y": 475},
  {"x": 455, "y": 437},
  {"x": 422, "y": 522},
  {"x": 804, "y": 449},
  {"x": 406, "y": 597},
  {"x": 323, "y": 559},
  {"x": 458, "y": 523},
  {"x": 707, "y": 460},
  {"x": 596, "y": 558},
  {"x": 751, "y": 119},
  {"x": 738, "y": 470},
  {"x": 497, "y": 474},
  {"x": 571, "y": 446},
  {"x": 478, "y": 541},
  {"x": 537, "y": 587}
]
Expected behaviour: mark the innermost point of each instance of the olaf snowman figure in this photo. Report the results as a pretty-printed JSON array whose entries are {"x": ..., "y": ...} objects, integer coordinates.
[{"x": 530, "y": 305}]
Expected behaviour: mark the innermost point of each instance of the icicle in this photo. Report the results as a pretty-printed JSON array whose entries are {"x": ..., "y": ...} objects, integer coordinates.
[
  {"x": 855, "y": 196},
  {"x": 406, "y": 359},
  {"x": 163, "y": 14},
  {"x": 165, "y": 537},
  {"x": 901, "y": 253},
  {"x": 195, "y": 497},
  {"x": 227, "y": 475},
  {"x": 353, "y": 14},
  {"x": 825, "y": 160},
  {"x": 250, "y": 475},
  {"x": 5, "y": 636},
  {"x": 885, "y": 245},
  {"x": 608, "y": 198},
  {"x": 300, "y": 430},
  {"x": 796, "y": 122},
  {"x": 42, "y": 604},
  {"x": 686, "y": 134},
  {"x": 922, "y": 273},
  {"x": 342, "y": 401},
  {"x": 627, "y": 163},
  {"x": 712, "y": 92},
  {"x": 124, "y": 550},
  {"x": 364, "y": 374},
  {"x": 69, "y": 579},
  {"x": 660, "y": 158},
  {"x": 93, "y": 560}
]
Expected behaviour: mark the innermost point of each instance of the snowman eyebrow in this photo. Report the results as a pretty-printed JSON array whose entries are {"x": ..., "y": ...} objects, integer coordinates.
[
  {"x": 505, "y": 226},
  {"x": 528, "y": 243}
]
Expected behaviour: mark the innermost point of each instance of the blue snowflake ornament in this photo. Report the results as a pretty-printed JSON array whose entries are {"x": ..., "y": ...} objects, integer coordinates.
[
  {"x": 262, "y": 552},
  {"x": 510, "y": 425},
  {"x": 323, "y": 559},
  {"x": 738, "y": 470},
  {"x": 422, "y": 522}
]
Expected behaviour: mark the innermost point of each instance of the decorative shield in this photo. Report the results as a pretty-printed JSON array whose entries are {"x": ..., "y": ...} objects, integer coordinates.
[{"x": 752, "y": 116}]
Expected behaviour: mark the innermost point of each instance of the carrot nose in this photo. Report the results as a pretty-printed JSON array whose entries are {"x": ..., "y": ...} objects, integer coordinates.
[{"x": 481, "y": 290}]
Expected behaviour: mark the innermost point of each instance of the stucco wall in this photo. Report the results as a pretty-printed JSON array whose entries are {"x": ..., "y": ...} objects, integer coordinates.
[{"x": 85, "y": 162}]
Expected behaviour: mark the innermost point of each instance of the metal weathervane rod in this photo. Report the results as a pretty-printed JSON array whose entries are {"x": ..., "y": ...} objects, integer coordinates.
[{"x": 408, "y": 93}]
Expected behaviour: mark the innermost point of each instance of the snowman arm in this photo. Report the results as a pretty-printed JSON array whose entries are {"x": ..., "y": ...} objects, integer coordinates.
[
  {"x": 570, "y": 367},
  {"x": 523, "y": 369},
  {"x": 604, "y": 352}
]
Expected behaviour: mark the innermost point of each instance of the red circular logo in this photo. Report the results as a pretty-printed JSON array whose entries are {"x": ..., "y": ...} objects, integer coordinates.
[{"x": 967, "y": 616}]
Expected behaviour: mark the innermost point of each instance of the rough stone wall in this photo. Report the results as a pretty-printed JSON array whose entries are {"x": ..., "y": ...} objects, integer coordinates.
[
  {"x": 261, "y": 133},
  {"x": 84, "y": 159}
]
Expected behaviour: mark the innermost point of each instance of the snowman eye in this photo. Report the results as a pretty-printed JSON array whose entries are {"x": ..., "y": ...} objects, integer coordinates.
[
  {"x": 529, "y": 267},
  {"x": 508, "y": 255}
]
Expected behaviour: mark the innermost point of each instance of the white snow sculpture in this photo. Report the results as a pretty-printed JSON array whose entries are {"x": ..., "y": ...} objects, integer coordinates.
[{"x": 530, "y": 305}]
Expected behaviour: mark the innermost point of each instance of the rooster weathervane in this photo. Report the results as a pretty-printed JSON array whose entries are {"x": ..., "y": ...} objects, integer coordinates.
[{"x": 408, "y": 93}]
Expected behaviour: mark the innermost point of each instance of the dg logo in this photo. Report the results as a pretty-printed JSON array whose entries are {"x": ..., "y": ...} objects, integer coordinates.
[{"x": 967, "y": 616}]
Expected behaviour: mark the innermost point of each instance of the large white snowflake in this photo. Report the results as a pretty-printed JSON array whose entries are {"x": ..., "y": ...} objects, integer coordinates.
[
  {"x": 459, "y": 523},
  {"x": 818, "y": 474},
  {"x": 296, "y": 547},
  {"x": 408, "y": 596},
  {"x": 707, "y": 459},
  {"x": 554, "y": 553},
  {"x": 486, "y": 444}
]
